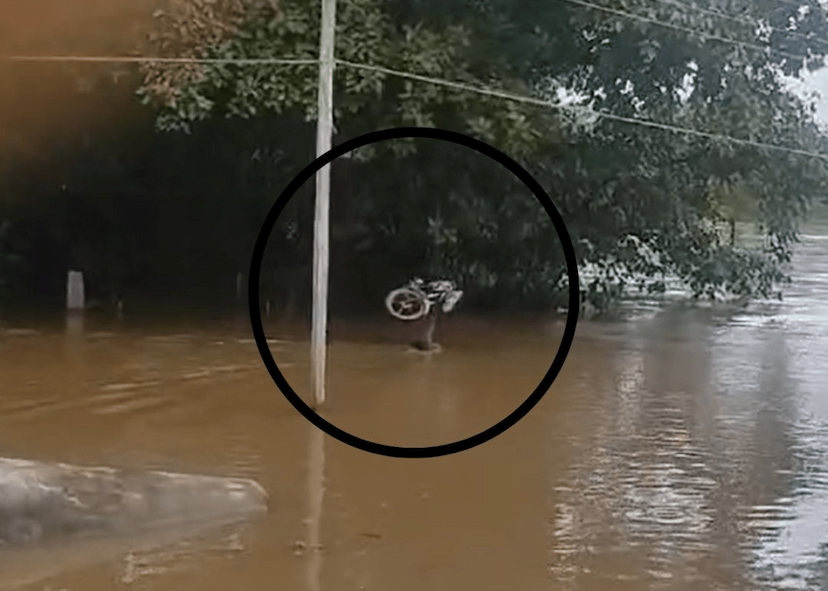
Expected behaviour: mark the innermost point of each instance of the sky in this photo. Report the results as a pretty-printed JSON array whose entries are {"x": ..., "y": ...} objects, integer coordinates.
[{"x": 811, "y": 82}]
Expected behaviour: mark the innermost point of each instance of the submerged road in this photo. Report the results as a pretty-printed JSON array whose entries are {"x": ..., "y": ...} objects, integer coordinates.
[{"x": 681, "y": 449}]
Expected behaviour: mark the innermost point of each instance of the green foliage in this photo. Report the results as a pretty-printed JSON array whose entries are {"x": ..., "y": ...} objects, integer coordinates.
[
  {"x": 364, "y": 99},
  {"x": 466, "y": 218},
  {"x": 640, "y": 203}
]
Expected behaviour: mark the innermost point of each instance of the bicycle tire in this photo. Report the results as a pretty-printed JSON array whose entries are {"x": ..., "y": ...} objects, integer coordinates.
[{"x": 415, "y": 296}]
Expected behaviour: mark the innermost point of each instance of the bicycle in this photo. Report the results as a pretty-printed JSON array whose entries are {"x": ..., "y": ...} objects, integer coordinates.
[{"x": 417, "y": 298}]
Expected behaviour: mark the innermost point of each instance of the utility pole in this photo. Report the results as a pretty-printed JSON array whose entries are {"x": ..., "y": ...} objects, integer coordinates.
[{"x": 321, "y": 233}]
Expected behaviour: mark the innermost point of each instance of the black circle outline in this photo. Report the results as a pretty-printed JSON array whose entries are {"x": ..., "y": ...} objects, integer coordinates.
[{"x": 446, "y": 448}]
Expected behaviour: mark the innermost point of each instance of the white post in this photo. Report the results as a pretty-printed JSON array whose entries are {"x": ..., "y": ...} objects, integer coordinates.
[
  {"x": 321, "y": 252},
  {"x": 75, "y": 296}
]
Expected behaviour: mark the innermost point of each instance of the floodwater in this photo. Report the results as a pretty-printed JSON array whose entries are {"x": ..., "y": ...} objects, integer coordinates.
[{"x": 683, "y": 448}]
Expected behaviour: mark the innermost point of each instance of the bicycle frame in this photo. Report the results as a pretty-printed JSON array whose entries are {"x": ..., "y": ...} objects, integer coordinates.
[{"x": 424, "y": 296}]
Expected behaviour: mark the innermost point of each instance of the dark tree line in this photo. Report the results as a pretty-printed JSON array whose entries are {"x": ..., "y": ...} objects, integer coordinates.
[{"x": 172, "y": 201}]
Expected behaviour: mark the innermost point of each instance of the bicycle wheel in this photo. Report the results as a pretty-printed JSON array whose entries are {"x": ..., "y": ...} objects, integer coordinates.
[{"x": 406, "y": 304}]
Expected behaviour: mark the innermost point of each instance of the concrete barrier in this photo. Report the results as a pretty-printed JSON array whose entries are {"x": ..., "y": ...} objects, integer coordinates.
[{"x": 41, "y": 503}]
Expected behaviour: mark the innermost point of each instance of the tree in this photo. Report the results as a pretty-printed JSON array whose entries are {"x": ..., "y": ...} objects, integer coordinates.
[{"x": 639, "y": 201}]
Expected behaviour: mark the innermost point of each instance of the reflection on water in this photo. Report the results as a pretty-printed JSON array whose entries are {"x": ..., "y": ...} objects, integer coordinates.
[
  {"x": 700, "y": 448},
  {"x": 130, "y": 559},
  {"x": 316, "y": 499},
  {"x": 684, "y": 448}
]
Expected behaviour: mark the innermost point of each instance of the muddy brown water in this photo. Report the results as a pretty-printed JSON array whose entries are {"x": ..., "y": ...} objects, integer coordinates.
[{"x": 681, "y": 449}]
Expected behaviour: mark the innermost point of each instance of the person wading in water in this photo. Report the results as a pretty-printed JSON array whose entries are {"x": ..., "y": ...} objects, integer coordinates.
[
  {"x": 427, "y": 299},
  {"x": 427, "y": 342}
]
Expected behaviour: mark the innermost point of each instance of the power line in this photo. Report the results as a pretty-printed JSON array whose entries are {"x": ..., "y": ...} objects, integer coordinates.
[
  {"x": 482, "y": 90},
  {"x": 718, "y": 13},
  {"x": 741, "y": 20},
  {"x": 177, "y": 60},
  {"x": 582, "y": 3},
  {"x": 584, "y": 110},
  {"x": 794, "y": 3},
  {"x": 449, "y": 84},
  {"x": 745, "y": 44}
]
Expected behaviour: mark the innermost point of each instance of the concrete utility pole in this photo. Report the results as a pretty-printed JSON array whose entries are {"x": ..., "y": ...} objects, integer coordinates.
[{"x": 321, "y": 233}]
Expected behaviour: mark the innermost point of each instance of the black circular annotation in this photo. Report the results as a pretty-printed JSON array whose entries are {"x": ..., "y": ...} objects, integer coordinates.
[{"x": 255, "y": 311}]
